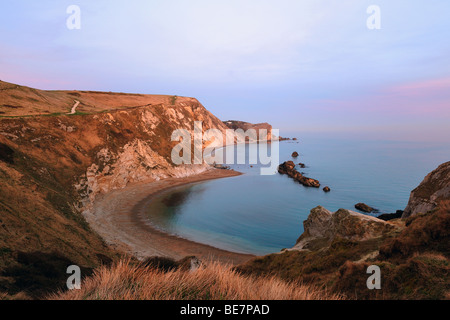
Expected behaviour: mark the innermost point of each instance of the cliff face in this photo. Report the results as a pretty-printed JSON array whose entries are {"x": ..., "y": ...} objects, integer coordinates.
[
  {"x": 432, "y": 191},
  {"x": 102, "y": 151},
  {"x": 235, "y": 125},
  {"x": 54, "y": 165}
]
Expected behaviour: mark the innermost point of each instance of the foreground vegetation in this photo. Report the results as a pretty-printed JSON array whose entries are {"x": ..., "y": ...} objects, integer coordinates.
[
  {"x": 414, "y": 263},
  {"x": 213, "y": 281}
]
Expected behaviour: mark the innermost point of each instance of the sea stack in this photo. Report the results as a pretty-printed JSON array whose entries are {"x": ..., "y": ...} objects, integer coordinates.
[{"x": 288, "y": 168}]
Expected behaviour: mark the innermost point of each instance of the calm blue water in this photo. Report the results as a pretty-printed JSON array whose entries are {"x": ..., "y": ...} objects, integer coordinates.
[{"x": 263, "y": 214}]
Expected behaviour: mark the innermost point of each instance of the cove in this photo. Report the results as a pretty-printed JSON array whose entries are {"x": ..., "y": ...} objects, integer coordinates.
[{"x": 264, "y": 214}]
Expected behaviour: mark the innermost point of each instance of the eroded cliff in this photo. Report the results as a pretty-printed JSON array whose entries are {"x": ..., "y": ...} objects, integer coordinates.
[
  {"x": 432, "y": 192},
  {"x": 53, "y": 166}
]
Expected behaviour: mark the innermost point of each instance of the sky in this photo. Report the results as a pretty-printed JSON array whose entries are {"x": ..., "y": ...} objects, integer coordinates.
[{"x": 301, "y": 65}]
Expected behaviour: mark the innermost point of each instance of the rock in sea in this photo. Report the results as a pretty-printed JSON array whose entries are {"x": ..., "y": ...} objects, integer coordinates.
[
  {"x": 364, "y": 207},
  {"x": 288, "y": 168}
]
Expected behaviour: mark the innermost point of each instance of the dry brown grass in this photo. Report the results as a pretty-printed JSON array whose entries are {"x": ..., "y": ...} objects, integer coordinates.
[
  {"x": 424, "y": 232},
  {"x": 16, "y": 101},
  {"x": 125, "y": 281},
  {"x": 4, "y": 296},
  {"x": 444, "y": 205},
  {"x": 415, "y": 264}
]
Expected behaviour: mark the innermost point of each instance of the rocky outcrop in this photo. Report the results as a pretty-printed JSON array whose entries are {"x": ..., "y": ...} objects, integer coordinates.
[
  {"x": 136, "y": 162},
  {"x": 288, "y": 168},
  {"x": 222, "y": 167},
  {"x": 326, "y": 189},
  {"x": 294, "y": 154},
  {"x": 391, "y": 216},
  {"x": 235, "y": 125},
  {"x": 364, "y": 207},
  {"x": 323, "y": 226},
  {"x": 432, "y": 191}
]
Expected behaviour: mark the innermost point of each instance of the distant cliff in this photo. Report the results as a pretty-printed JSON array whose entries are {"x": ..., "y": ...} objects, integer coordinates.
[
  {"x": 59, "y": 150},
  {"x": 234, "y": 124}
]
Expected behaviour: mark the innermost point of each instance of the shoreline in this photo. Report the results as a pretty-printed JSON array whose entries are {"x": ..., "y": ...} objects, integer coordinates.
[{"x": 118, "y": 217}]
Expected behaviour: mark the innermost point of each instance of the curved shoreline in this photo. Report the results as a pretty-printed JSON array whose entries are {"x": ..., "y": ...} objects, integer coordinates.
[{"x": 118, "y": 217}]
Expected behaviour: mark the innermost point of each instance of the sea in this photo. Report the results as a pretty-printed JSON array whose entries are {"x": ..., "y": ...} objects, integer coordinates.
[{"x": 262, "y": 214}]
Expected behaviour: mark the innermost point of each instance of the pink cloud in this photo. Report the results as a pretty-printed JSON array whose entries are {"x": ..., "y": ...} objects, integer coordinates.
[
  {"x": 427, "y": 98},
  {"x": 423, "y": 87}
]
